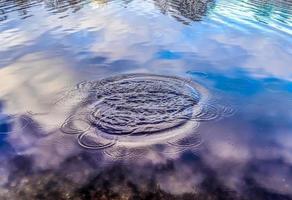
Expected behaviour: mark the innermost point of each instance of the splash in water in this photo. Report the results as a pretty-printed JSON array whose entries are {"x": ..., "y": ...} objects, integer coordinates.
[{"x": 134, "y": 111}]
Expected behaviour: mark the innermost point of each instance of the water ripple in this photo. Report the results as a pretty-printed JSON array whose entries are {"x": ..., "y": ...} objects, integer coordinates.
[
  {"x": 139, "y": 110},
  {"x": 263, "y": 15}
]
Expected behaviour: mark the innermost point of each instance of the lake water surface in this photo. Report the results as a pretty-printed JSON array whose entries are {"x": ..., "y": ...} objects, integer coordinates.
[{"x": 145, "y": 99}]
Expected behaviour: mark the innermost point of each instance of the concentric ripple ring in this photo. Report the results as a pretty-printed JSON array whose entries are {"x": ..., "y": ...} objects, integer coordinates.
[{"x": 140, "y": 109}]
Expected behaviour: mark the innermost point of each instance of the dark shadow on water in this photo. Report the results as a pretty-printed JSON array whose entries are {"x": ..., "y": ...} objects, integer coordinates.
[{"x": 131, "y": 181}]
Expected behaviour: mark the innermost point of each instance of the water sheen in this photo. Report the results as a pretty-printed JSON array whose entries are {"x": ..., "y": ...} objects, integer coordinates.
[{"x": 145, "y": 99}]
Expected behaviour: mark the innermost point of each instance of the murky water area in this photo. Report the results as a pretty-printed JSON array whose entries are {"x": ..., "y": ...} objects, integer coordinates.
[{"x": 145, "y": 99}]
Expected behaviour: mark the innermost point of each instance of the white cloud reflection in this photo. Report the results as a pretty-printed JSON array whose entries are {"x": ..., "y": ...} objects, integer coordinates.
[{"x": 231, "y": 149}]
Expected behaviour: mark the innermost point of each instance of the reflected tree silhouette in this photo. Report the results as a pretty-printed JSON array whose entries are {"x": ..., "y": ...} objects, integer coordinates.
[
  {"x": 24, "y": 7},
  {"x": 185, "y": 10},
  {"x": 194, "y": 10}
]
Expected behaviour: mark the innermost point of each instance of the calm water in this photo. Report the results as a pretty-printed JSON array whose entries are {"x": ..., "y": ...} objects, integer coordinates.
[{"x": 234, "y": 63}]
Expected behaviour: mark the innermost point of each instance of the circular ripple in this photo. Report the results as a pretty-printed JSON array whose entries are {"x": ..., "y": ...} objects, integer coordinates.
[
  {"x": 121, "y": 153},
  {"x": 136, "y": 109},
  {"x": 143, "y": 104}
]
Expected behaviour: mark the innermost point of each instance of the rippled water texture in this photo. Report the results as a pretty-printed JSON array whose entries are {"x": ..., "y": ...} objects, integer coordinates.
[
  {"x": 145, "y": 99},
  {"x": 138, "y": 110}
]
